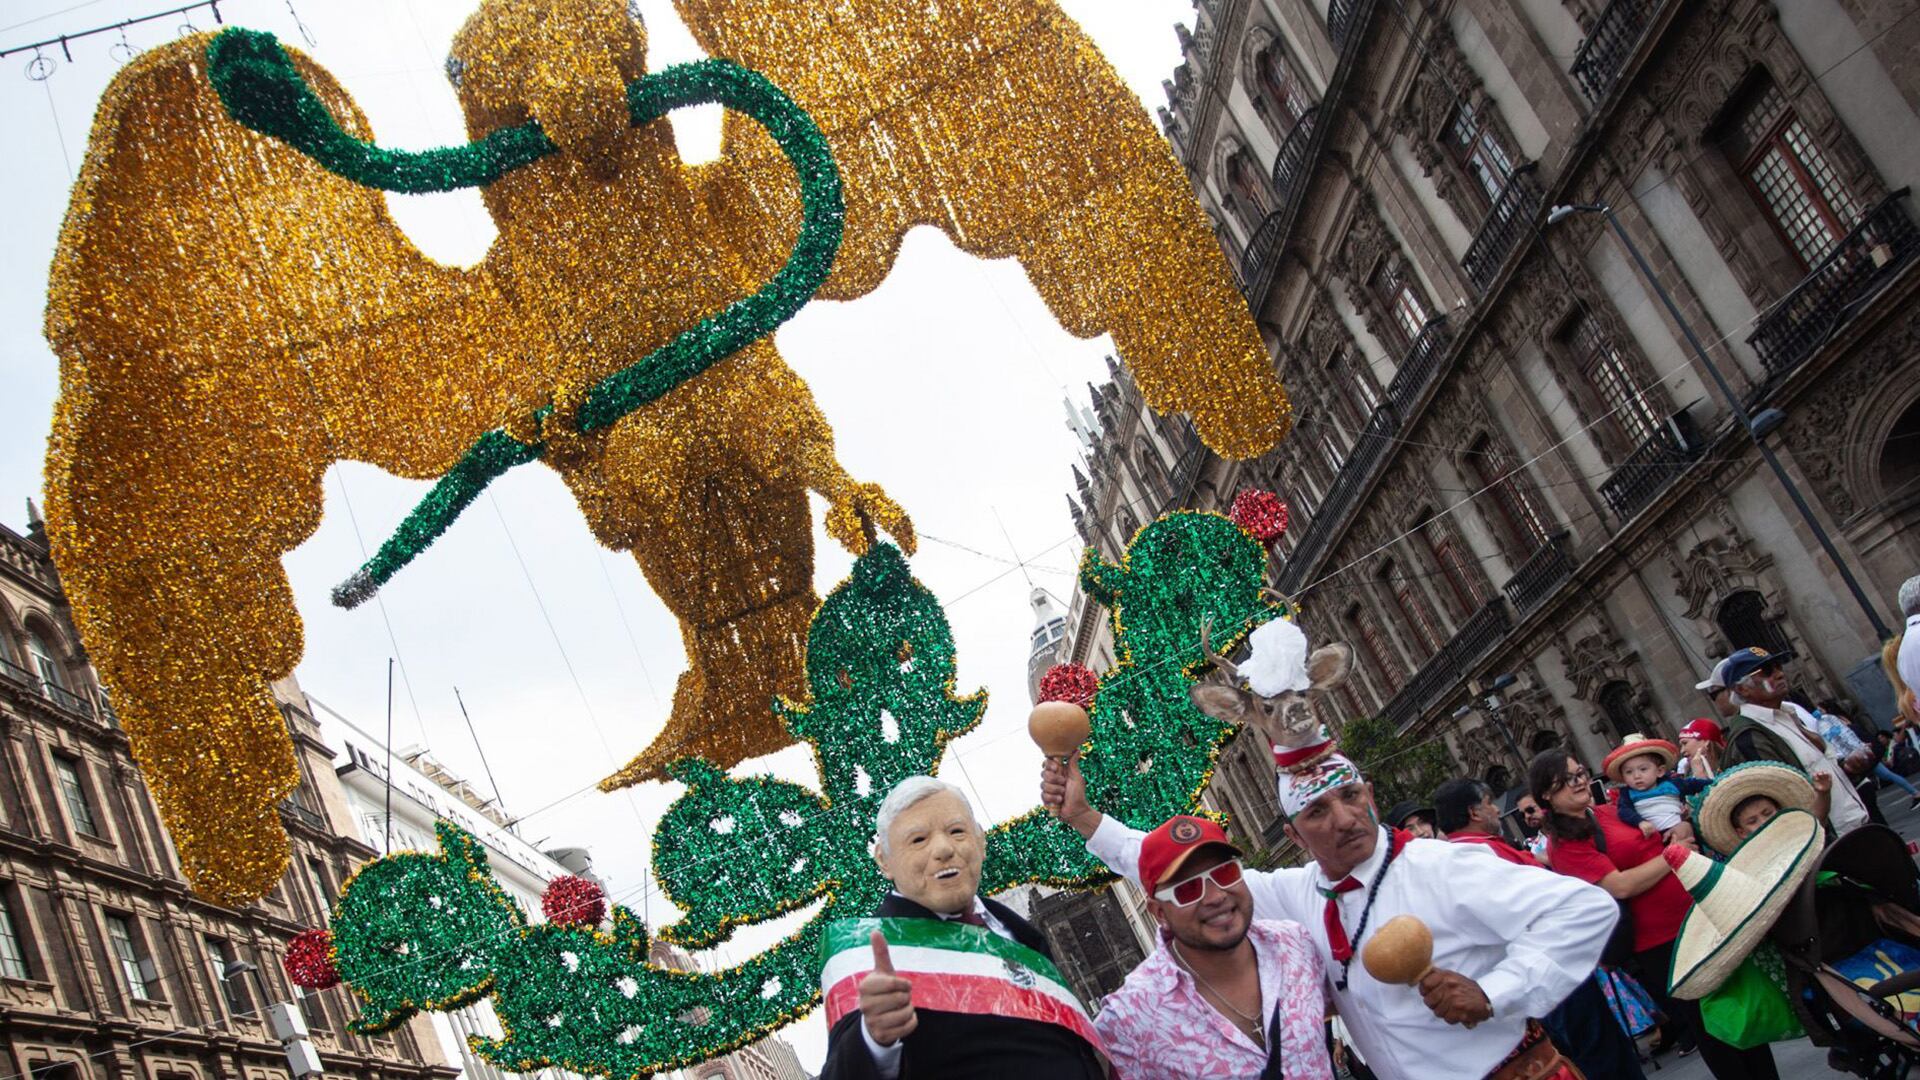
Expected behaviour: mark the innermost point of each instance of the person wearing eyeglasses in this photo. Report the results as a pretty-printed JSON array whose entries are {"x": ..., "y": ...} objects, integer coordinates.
[
  {"x": 1588, "y": 841},
  {"x": 1509, "y": 942},
  {"x": 1223, "y": 994}
]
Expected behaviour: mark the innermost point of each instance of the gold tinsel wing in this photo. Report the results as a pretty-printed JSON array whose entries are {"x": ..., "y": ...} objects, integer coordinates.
[
  {"x": 999, "y": 122},
  {"x": 230, "y": 319}
]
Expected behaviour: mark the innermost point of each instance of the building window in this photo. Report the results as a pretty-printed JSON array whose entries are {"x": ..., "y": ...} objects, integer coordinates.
[
  {"x": 1462, "y": 586},
  {"x": 1514, "y": 512},
  {"x": 1618, "y": 702},
  {"x": 74, "y": 792},
  {"x": 126, "y": 950},
  {"x": 1382, "y": 661},
  {"x": 1743, "y": 621},
  {"x": 1353, "y": 392},
  {"x": 1247, "y": 194},
  {"x": 1788, "y": 173},
  {"x": 1605, "y": 369},
  {"x": 13, "y": 955},
  {"x": 1285, "y": 97},
  {"x": 1402, "y": 591},
  {"x": 220, "y": 954},
  {"x": 1406, "y": 310},
  {"x": 1475, "y": 147},
  {"x": 46, "y": 663}
]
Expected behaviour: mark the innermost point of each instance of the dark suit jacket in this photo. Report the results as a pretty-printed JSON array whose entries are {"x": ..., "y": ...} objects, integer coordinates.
[{"x": 947, "y": 1044}]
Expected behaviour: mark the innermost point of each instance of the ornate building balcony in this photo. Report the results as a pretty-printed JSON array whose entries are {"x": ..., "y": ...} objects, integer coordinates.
[
  {"x": 14, "y": 673},
  {"x": 1418, "y": 365},
  {"x": 1865, "y": 259},
  {"x": 1345, "y": 18},
  {"x": 1447, "y": 668},
  {"x": 66, "y": 699},
  {"x": 1603, "y": 55},
  {"x": 310, "y": 818},
  {"x": 1262, "y": 257},
  {"x": 1291, "y": 162},
  {"x": 1540, "y": 575},
  {"x": 1656, "y": 463},
  {"x": 1369, "y": 452},
  {"x": 1508, "y": 222}
]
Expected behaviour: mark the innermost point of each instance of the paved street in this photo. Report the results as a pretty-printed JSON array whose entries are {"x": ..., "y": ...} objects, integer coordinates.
[{"x": 1798, "y": 1059}]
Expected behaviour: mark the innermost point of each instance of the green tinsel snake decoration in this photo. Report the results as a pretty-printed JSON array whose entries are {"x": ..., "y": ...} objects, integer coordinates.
[{"x": 262, "y": 90}]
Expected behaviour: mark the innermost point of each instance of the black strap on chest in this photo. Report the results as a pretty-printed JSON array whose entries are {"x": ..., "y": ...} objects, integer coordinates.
[{"x": 1274, "y": 1071}]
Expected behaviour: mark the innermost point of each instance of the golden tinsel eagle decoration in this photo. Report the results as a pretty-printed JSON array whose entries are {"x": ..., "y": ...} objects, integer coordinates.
[{"x": 235, "y": 310}]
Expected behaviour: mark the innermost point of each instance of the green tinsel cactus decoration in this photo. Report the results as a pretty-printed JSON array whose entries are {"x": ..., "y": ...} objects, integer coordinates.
[{"x": 434, "y": 932}]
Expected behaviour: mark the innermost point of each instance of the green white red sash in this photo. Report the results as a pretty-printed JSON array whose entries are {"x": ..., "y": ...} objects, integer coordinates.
[{"x": 955, "y": 967}]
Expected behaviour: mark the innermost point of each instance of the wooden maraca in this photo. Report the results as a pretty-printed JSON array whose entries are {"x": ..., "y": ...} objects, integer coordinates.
[
  {"x": 1400, "y": 952},
  {"x": 1058, "y": 728}
]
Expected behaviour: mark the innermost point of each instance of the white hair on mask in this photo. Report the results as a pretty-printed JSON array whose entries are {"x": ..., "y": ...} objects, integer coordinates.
[
  {"x": 907, "y": 793},
  {"x": 1279, "y": 660}
]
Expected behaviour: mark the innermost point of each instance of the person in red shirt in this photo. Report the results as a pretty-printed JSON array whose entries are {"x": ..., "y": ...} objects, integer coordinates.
[
  {"x": 1582, "y": 1026},
  {"x": 1590, "y": 842}
]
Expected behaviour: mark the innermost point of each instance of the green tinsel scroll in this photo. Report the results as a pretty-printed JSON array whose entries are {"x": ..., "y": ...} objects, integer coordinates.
[
  {"x": 415, "y": 931},
  {"x": 264, "y": 91}
]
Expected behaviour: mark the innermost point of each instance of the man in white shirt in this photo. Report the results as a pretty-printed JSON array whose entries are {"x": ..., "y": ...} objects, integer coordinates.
[
  {"x": 1909, "y": 661},
  {"x": 1771, "y": 728},
  {"x": 1509, "y": 941}
]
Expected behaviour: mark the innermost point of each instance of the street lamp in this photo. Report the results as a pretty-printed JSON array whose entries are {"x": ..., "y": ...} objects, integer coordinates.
[
  {"x": 1757, "y": 426},
  {"x": 1493, "y": 706}
]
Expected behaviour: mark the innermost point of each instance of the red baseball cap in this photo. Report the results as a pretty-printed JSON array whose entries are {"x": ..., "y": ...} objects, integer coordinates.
[
  {"x": 1704, "y": 729},
  {"x": 1166, "y": 848}
]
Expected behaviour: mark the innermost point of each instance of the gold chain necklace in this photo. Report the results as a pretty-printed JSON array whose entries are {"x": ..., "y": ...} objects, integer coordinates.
[{"x": 1252, "y": 1027}]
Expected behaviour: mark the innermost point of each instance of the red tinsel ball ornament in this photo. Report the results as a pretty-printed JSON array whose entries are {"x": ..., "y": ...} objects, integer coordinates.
[
  {"x": 574, "y": 901},
  {"x": 309, "y": 961},
  {"x": 1261, "y": 513},
  {"x": 1069, "y": 682}
]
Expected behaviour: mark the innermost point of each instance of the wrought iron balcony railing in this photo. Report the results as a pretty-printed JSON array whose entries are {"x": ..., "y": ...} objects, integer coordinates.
[
  {"x": 15, "y": 673},
  {"x": 1647, "y": 471},
  {"x": 1447, "y": 668},
  {"x": 1290, "y": 163},
  {"x": 1603, "y": 55},
  {"x": 1540, "y": 575},
  {"x": 1186, "y": 470},
  {"x": 1871, "y": 255},
  {"x": 1418, "y": 365},
  {"x": 105, "y": 705},
  {"x": 66, "y": 699},
  {"x": 1344, "y": 17},
  {"x": 310, "y": 818},
  {"x": 1369, "y": 450},
  {"x": 1262, "y": 258},
  {"x": 1508, "y": 222}
]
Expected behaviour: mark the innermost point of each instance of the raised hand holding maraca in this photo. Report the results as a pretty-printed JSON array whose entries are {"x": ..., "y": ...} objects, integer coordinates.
[{"x": 1401, "y": 952}]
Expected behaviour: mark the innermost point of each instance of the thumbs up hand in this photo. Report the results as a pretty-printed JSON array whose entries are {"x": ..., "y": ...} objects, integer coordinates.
[{"x": 886, "y": 999}]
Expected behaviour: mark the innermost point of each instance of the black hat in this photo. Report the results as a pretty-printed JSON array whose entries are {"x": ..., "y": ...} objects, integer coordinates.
[
  {"x": 1397, "y": 817},
  {"x": 1749, "y": 660}
]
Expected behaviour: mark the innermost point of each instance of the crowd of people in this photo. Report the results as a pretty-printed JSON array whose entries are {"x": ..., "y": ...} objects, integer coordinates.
[{"x": 1448, "y": 938}]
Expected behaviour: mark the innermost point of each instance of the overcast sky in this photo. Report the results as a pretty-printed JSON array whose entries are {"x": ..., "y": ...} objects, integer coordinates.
[{"x": 945, "y": 386}]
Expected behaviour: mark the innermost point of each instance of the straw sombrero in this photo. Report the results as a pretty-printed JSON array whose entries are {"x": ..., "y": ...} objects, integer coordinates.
[
  {"x": 1713, "y": 808},
  {"x": 1635, "y": 745},
  {"x": 1736, "y": 902}
]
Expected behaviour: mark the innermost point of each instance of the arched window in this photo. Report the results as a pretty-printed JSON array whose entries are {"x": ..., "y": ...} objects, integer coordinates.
[
  {"x": 1743, "y": 621},
  {"x": 1519, "y": 520},
  {"x": 1543, "y": 741},
  {"x": 46, "y": 662},
  {"x": 1900, "y": 460},
  {"x": 1248, "y": 189},
  {"x": 1153, "y": 472},
  {"x": 1280, "y": 90},
  {"x": 1618, "y": 702}
]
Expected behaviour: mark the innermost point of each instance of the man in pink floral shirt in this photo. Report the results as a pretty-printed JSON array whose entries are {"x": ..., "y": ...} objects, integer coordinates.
[{"x": 1222, "y": 996}]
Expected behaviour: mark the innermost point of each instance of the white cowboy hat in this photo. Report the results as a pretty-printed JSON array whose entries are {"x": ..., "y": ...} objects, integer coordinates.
[
  {"x": 1713, "y": 808},
  {"x": 1736, "y": 902}
]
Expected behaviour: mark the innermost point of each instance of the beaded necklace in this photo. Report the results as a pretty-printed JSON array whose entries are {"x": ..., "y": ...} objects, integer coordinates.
[{"x": 1394, "y": 844}]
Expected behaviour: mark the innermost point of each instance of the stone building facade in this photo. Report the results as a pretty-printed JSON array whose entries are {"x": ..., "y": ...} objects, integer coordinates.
[
  {"x": 110, "y": 967},
  {"x": 1508, "y": 458}
]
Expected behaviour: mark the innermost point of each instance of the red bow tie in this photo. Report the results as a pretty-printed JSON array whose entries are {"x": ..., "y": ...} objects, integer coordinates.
[{"x": 1336, "y": 932}]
